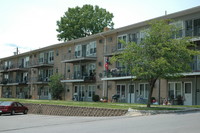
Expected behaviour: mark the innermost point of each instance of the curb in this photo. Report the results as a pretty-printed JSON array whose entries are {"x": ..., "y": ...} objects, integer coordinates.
[{"x": 133, "y": 112}]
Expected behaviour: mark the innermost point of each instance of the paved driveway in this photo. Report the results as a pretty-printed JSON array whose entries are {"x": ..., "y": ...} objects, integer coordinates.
[{"x": 165, "y": 123}]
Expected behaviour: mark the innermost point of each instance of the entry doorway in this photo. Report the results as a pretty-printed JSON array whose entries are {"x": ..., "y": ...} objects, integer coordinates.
[
  {"x": 131, "y": 94},
  {"x": 187, "y": 93},
  {"x": 121, "y": 91},
  {"x": 79, "y": 93}
]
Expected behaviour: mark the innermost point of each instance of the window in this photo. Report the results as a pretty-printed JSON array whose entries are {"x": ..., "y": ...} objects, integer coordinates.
[
  {"x": 133, "y": 37},
  {"x": 179, "y": 25},
  {"x": 188, "y": 28},
  {"x": 91, "y": 49},
  {"x": 50, "y": 72},
  {"x": 51, "y": 56},
  {"x": 57, "y": 52},
  {"x": 188, "y": 88},
  {"x": 144, "y": 90},
  {"x": 120, "y": 46},
  {"x": 175, "y": 89},
  {"x": 91, "y": 68},
  {"x": 26, "y": 61},
  {"x": 78, "y": 51},
  {"x": 77, "y": 72},
  {"x": 121, "y": 91},
  {"x": 131, "y": 88},
  {"x": 91, "y": 91},
  {"x": 41, "y": 58},
  {"x": 197, "y": 27}
]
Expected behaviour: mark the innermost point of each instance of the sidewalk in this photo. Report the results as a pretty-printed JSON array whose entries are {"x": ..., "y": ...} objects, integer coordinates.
[{"x": 133, "y": 112}]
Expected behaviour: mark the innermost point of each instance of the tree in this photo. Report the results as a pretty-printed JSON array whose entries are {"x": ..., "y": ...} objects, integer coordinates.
[
  {"x": 81, "y": 22},
  {"x": 56, "y": 86},
  {"x": 158, "y": 55}
]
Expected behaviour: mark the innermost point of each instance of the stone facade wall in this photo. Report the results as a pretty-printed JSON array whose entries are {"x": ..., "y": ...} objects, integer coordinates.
[{"x": 72, "y": 110}]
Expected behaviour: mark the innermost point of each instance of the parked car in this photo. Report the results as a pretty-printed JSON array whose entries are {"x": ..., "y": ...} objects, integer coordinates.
[{"x": 12, "y": 108}]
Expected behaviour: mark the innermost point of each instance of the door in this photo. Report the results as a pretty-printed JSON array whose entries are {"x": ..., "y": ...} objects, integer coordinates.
[
  {"x": 79, "y": 93},
  {"x": 187, "y": 93},
  {"x": 121, "y": 91},
  {"x": 131, "y": 94}
]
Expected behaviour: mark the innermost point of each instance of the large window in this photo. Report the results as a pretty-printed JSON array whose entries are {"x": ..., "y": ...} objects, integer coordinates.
[
  {"x": 91, "y": 91},
  {"x": 197, "y": 27},
  {"x": 51, "y": 56},
  {"x": 77, "y": 72},
  {"x": 121, "y": 91},
  {"x": 120, "y": 46},
  {"x": 91, "y": 49},
  {"x": 41, "y": 58},
  {"x": 144, "y": 90},
  {"x": 91, "y": 68},
  {"x": 175, "y": 89},
  {"x": 188, "y": 28},
  {"x": 179, "y": 25},
  {"x": 78, "y": 51}
]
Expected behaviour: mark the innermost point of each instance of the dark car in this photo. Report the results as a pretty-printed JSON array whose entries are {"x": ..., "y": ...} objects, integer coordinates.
[{"x": 12, "y": 108}]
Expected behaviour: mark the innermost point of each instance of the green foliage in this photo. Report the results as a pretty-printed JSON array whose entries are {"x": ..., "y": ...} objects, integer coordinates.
[
  {"x": 158, "y": 55},
  {"x": 56, "y": 86},
  {"x": 83, "y": 21},
  {"x": 95, "y": 98}
]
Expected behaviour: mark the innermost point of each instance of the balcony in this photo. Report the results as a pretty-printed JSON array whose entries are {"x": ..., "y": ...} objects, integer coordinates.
[
  {"x": 80, "y": 77},
  {"x": 14, "y": 67},
  {"x": 74, "y": 58},
  {"x": 19, "y": 81},
  {"x": 3, "y": 81},
  {"x": 117, "y": 74},
  {"x": 41, "y": 63},
  {"x": 39, "y": 80}
]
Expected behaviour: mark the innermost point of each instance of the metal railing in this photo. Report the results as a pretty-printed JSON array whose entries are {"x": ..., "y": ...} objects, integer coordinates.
[
  {"x": 71, "y": 56},
  {"x": 117, "y": 72}
]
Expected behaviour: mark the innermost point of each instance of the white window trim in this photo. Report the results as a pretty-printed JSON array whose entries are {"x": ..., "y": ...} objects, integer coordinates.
[
  {"x": 78, "y": 48},
  {"x": 144, "y": 90},
  {"x": 92, "y": 89},
  {"x": 174, "y": 87},
  {"x": 119, "y": 40},
  {"x": 121, "y": 90}
]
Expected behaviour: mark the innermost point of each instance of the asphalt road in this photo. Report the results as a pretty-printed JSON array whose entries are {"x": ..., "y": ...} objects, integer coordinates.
[{"x": 164, "y": 123}]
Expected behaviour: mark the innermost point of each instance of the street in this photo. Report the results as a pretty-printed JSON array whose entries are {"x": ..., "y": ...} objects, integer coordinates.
[{"x": 163, "y": 123}]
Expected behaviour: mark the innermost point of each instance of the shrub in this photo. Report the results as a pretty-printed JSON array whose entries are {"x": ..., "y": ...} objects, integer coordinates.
[{"x": 95, "y": 98}]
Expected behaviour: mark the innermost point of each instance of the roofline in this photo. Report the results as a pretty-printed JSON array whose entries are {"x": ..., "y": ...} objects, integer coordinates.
[{"x": 136, "y": 25}]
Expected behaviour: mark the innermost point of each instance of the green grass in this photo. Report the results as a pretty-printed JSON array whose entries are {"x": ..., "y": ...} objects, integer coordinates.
[{"x": 125, "y": 106}]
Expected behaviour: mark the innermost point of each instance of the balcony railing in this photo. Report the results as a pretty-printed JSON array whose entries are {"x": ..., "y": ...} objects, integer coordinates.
[
  {"x": 15, "y": 67},
  {"x": 117, "y": 72},
  {"x": 41, "y": 63},
  {"x": 38, "y": 80},
  {"x": 74, "y": 58},
  {"x": 81, "y": 76}
]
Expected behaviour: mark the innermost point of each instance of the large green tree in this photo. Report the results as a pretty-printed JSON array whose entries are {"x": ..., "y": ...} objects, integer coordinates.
[
  {"x": 158, "y": 55},
  {"x": 56, "y": 86},
  {"x": 83, "y": 21}
]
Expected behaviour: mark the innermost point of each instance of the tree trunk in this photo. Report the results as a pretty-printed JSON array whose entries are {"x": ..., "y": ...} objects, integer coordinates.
[{"x": 152, "y": 84}]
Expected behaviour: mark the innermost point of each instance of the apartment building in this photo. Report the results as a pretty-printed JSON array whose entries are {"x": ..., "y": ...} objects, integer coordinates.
[{"x": 84, "y": 64}]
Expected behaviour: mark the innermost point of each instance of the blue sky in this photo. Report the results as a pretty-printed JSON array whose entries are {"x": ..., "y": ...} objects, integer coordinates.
[{"x": 31, "y": 24}]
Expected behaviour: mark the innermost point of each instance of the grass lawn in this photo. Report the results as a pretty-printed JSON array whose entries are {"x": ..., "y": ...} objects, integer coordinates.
[{"x": 99, "y": 104}]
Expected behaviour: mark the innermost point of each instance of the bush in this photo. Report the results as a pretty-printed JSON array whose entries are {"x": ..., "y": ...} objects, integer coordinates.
[{"x": 95, "y": 98}]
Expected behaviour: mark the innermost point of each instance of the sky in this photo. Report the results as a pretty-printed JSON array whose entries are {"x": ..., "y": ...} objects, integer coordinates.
[{"x": 31, "y": 24}]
